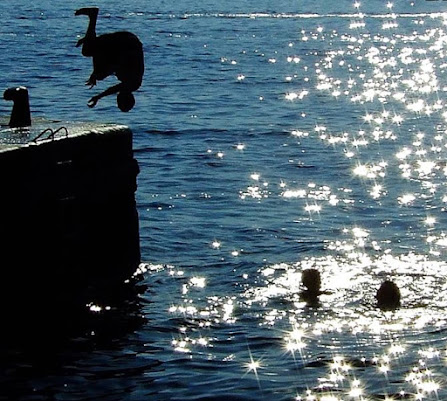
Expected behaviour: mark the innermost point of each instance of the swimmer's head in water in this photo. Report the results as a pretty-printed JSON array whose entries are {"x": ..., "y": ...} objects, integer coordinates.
[
  {"x": 125, "y": 101},
  {"x": 311, "y": 280},
  {"x": 388, "y": 296}
]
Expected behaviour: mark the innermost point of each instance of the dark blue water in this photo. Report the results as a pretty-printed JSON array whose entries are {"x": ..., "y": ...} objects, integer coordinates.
[{"x": 272, "y": 137}]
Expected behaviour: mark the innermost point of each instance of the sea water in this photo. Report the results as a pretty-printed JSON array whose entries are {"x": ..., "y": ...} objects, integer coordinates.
[{"x": 272, "y": 137}]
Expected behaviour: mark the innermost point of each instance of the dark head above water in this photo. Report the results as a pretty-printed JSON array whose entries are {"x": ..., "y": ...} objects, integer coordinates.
[
  {"x": 388, "y": 296},
  {"x": 20, "y": 115},
  {"x": 311, "y": 280}
]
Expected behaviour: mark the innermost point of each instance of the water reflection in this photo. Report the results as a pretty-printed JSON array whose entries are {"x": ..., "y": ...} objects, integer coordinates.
[
  {"x": 389, "y": 81},
  {"x": 42, "y": 344},
  {"x": 345, "y": 322}
]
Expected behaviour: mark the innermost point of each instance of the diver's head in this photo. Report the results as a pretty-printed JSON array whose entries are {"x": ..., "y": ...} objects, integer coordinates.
[{"x": 125, "y": 101}]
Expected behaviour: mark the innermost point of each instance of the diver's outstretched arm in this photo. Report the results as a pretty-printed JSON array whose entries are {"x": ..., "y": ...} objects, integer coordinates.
[
  {"x": 91, "y": 81},
  {"x": 95, "y": 76},
  {"x": 110, "y": 91}
]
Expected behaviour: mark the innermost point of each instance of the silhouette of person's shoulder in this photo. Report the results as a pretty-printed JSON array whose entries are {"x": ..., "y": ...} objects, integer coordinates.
[{"x": 117, "y": 41}]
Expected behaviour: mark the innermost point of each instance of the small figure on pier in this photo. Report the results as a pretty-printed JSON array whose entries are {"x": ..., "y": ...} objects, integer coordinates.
[
  {"x": 388, "y": 296},
  {"x": 20, "y": 115},
  {"x": 117, "y": 53}
]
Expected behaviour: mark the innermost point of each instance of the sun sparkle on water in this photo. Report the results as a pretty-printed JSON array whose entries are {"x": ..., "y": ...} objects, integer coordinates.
[{"x": 392, "y": 82}]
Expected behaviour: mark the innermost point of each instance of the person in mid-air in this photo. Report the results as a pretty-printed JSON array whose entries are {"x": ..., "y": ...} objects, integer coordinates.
[{"x": 117, "y": 53}]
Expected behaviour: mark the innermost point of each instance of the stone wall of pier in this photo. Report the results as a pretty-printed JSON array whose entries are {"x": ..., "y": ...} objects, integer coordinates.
[{"x": 69, "y": 224}]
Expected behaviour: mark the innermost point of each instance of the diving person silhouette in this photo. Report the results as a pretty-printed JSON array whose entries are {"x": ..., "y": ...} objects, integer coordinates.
[{"x": 116, "y": 53}]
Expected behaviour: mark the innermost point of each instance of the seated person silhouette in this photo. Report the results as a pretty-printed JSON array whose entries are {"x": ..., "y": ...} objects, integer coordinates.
[
  {"x": 117, "y": 53},
  {"x": 388, "y": 296},
  {"x": 311, "y": 280}
]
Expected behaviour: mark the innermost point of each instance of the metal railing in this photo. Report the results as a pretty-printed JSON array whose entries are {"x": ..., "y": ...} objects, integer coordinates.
[{"x": 51, "y": 135}]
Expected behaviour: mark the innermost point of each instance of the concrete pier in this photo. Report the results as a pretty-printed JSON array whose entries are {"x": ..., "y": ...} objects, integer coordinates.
[{"x": 69, "y": 224}]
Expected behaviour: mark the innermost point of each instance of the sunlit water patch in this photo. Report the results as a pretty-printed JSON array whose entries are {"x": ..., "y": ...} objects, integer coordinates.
[
  {"x": 383, "y": 77},
  {"x": 344, "y": 346}
]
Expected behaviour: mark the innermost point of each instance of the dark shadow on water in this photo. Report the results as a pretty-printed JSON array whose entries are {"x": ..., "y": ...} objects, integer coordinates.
[{"x": 44, "y": 340}]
